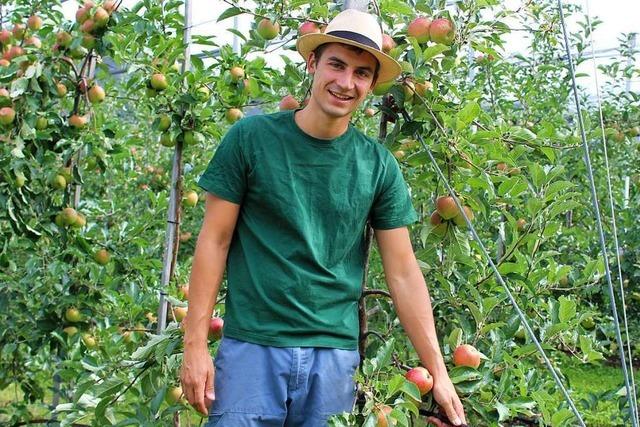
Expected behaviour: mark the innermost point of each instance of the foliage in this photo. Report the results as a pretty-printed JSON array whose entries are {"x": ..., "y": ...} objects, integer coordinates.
[{"x": 502, "y": 128}]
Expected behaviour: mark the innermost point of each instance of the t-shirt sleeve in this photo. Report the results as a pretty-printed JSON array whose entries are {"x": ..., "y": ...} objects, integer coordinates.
[
  {"x": 392, "y": 207},
  {"x": 226, "y": 174}
]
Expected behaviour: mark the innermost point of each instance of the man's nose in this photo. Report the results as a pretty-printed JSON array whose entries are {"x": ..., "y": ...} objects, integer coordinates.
[{"x": 345, "y": 81}]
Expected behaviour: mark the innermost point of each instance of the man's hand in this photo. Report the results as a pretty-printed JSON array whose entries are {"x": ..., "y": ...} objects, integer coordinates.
[
  {"x": 445, "y": 394},
  {"x": 197, "y": 378}
]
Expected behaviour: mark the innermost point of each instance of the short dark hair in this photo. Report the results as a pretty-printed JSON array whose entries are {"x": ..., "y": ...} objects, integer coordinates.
[{"x": 318, "y": 53}]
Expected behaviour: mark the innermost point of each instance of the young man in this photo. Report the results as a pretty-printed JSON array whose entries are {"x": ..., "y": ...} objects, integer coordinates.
[{"x": 288, "y": 197}]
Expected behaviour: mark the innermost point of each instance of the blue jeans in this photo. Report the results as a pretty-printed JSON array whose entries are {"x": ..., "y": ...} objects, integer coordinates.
[{"x": 264, "y": 386}]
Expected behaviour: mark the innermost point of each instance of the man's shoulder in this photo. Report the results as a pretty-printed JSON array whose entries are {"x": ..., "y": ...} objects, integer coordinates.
[
  {"x": 370, "y": 144},
  {"x": 258, "y": 120}
]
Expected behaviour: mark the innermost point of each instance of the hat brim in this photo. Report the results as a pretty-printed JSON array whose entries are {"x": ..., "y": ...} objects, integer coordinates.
[{"x": 389, "y": 67}]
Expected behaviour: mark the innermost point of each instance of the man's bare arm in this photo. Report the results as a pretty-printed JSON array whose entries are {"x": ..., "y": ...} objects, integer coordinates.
[
  {"x": 208, "y": 267},
  {"x": 413, "y": 305}
]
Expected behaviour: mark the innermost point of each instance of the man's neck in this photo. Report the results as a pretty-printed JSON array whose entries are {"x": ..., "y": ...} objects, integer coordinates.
[{"x": 314, "y": 122}]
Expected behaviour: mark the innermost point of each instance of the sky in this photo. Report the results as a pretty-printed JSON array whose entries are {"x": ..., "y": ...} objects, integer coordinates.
[{"x": 618, "y": 16}]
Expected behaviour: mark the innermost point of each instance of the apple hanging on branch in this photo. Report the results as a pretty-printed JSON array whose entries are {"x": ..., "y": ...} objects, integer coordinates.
[
  {"x": 268, "y": 30},
  {"x": 419, "y": 28},
  {"x": 422, "y": 378},
  {"x": 466, "y": 355},
  {"x": 442, "y": 31}
]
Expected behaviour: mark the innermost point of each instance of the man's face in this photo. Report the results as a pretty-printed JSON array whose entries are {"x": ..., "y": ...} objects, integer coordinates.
[{"x": 342, "y": 79}]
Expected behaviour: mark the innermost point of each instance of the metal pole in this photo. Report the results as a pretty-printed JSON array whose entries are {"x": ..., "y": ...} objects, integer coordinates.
[
  {"x": 173, "y": 216},
  {"x": 498, "y": 276},
  {"x": 596, "y": 208}
]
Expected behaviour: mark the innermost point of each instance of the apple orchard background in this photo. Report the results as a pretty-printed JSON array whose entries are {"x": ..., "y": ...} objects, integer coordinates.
[{"x": 93, "y": 109}]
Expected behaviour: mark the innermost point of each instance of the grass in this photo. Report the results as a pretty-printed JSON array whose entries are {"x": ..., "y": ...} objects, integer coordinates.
[{"x": 590, "y": 386}]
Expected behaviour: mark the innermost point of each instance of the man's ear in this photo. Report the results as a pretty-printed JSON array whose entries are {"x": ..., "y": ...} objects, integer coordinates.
[{"x": 311, "y": 63}]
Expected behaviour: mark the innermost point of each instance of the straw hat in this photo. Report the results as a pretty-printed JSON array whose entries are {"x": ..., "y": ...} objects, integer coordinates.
[{"x": 355, "y": 28}]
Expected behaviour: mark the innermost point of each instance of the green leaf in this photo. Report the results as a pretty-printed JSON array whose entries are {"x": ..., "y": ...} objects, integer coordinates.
[
  {"x": 567, "y": 309},
  {"x": 521, "y": 134},
  {"x": 18, "y": 87},
  {"x": 561, "y": 417},
  {"x": 432, "y": 51},
  {"x": 483, "y": 137},
  {"x": 455, "y": 338},
  {"x": 412, "y": 390},
  {"x": 157, "y": 400},
  {"x": 467, "y": 114},
  {"x": 230, "y": 12},
  {"x": 395, "y": 385},
  {"x": 383, "y": 356}
]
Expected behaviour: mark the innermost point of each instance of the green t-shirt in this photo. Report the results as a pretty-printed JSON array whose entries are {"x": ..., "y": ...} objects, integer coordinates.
[{"x": 296, "y": 258}]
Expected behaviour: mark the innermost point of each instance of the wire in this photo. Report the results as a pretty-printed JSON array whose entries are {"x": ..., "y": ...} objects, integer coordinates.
[
  {"x": 633, "y": 400},
  {"x": 514, "y": 303},
  {"x": 596, "y": 208}
]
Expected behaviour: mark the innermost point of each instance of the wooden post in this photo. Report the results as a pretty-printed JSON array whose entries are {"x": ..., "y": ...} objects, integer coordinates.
[{"x": 173, "y": 215}]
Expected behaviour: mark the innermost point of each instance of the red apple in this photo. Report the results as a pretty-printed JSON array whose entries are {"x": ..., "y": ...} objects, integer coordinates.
[
  {"x": 184, "y": 291},
  {"x": 422, "y": 88},
  {"x": 18, "y": 31},
  {"x": 109, "y": 6},
  {"x": 466, "y": 355},
  {"x": 215, "y": 327},
  {"x": 308, "y": 27},
  {"x": 439, "y": 226},
  {"x": 422, "y": 378},
  {"x": 268, "y": 30},
  {"x": 61, "y": 89},
  {"x": 7, "y": 115},
  {"x": 180, "y": 313},
  {"x": 381, "y": 412},
  {"x": 419, "y": 28},
  {"x": 83, "y": 13},
  {"x": 77, "y": 121},
  {"x": 13, "y": 52},
  {"x": 102, "y": 256},
  {"x": 159, "y": 81},
  {"x": 101, "y": 17},
  {"x": 233, "y": 115},
  {"x": 237, "y": 73},
  {"x": 33, "y": 41},
  {"x": 4, "y": 62},
  {"x": 446, "y": 207},
  {"x": 5, "y": 36},
  {"x": 34, "y": 22},
  {"x": 88, "y": 26},
  {"x": 96, "y": 94},
  {"x": 190, "y": 198},
  {"x": 369, "y": 112},
  {"x": 64, "y": 39},
  {"x": 288, "y": 102},
  {"x": 459, "y": 219},
  {"x": 442, "y": 31},
  {"x": 387, "y": 43}
]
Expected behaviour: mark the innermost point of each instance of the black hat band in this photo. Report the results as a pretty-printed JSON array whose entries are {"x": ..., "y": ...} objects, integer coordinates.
[{"x": 356, "y": 37}]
